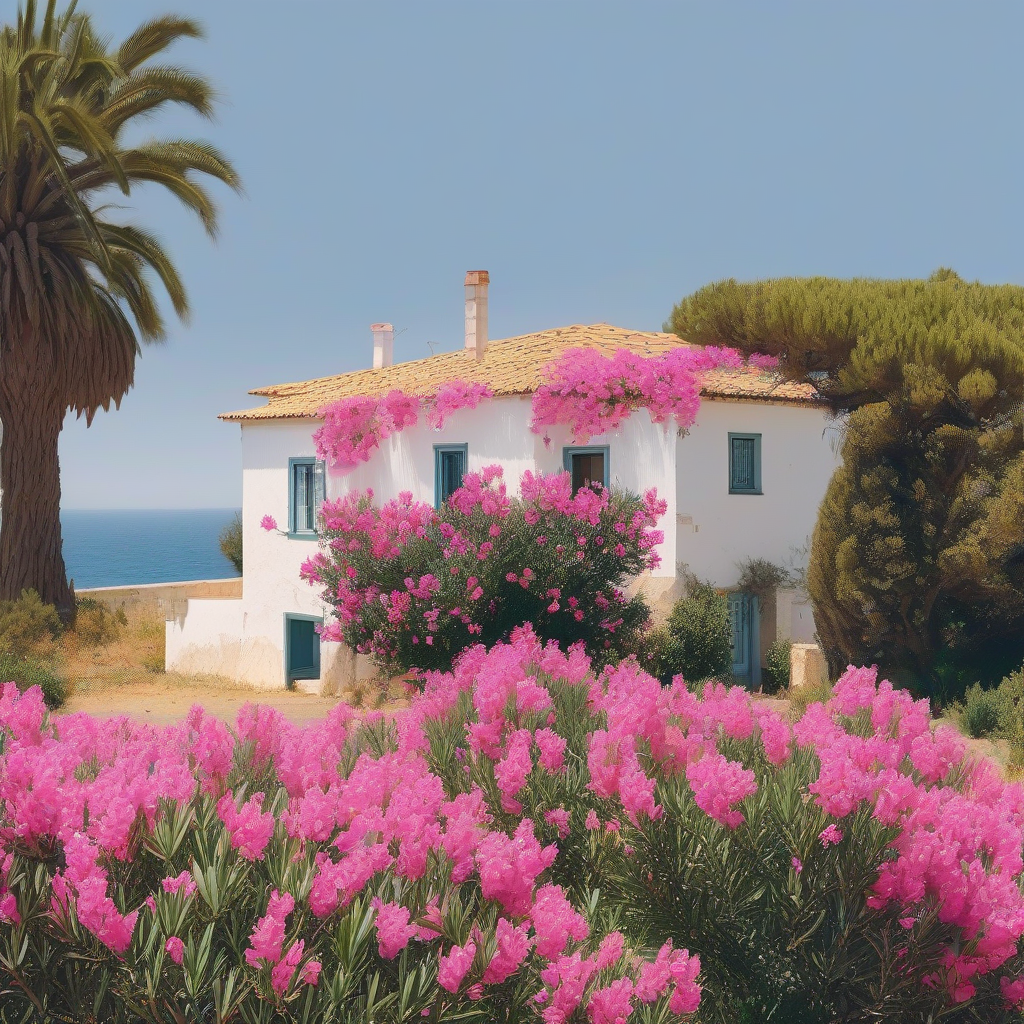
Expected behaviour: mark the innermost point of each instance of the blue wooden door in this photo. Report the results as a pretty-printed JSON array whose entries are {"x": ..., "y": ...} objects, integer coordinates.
[
  {"x": 739, "y": 616},
  {"x": 303, "y": 649}
]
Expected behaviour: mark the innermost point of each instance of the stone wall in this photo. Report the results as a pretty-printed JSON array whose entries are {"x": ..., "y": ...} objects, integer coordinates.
[{"x": 167, "y": 599}]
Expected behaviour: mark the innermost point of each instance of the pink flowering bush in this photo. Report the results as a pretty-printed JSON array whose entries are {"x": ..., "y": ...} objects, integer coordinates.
[
  {"x": 413, "y": 586},
  {"x": 528, "y": 841}
]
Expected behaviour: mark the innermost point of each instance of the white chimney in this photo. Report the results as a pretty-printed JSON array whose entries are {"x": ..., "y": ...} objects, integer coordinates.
[
  {"x": 383, "y": 345},
  {"x": 476, "y": 312}
]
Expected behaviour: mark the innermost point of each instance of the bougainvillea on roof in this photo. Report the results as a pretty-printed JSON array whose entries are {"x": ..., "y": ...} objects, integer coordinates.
[
  {"x": 592, "y": 393},
  {"x": 584, "y": 390},
  {"x": 354, "y": 427}
]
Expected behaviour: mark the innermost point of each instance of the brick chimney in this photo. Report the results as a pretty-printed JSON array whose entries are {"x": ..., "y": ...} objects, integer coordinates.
[
  {"x": 383, "y": 345},
  {"x": 476, "y": 312}
]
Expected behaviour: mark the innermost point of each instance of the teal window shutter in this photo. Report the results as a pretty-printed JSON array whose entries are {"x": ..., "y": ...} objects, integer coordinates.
[
  {"x": 450, "y": 462},
  {"x": 744, "y": 463},
  {"x": 306, "y": 493}
]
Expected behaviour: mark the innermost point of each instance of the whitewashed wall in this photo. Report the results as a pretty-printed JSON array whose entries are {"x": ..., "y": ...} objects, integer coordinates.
[
  {"x": 706, "y": 529},
  {"x": 716, "y": 529},
  {"x": 641, "y": 455}
]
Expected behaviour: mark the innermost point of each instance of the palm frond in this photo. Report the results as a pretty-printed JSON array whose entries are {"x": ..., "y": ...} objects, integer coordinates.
[
  {"x": 153, "y": 37},
  {"x": 75, "y": 288}
]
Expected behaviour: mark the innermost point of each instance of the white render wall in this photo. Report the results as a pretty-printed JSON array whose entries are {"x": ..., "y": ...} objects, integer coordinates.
[
  {"x": 715, "y": 529},
  {"x": 245, "y": 639}
]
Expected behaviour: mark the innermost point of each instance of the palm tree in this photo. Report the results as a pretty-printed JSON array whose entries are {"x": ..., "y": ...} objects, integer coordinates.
[{"x": 75, "y": 287}]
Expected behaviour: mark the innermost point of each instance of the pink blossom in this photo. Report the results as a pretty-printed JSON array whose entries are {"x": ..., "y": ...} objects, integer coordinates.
[
  {"x": 282, "y": 973},
  {"x": 250, "y": 828},
  {"x": 718, "y": 785},
  {"x": 555, "y": 921},
  {"x": 508, "y": 867},
  {"x": 310, "y": 972},
  {"x": 182, "y": 883},
  {"x": 267, "y": 938},
  {"x": 175, "y": 949},
  {"x": 552, "y": 750},
  {"x": 831, "y": 836},
  {"x": 559, "y": 818},
  {"x": 453, "y": 967},
  {"x": 268, "y": 523},
  {"x": 393, "y": 929},
  {"x": 513, "y": 945}
]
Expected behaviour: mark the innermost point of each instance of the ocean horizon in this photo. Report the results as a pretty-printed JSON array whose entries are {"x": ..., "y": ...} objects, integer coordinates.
[{"x": 128, "y": 547}]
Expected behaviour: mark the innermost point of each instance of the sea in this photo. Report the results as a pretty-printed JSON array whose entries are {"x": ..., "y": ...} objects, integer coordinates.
[{"x": 116, "y": 548}]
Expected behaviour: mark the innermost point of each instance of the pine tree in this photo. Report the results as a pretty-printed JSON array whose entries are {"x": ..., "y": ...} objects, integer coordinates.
[{"x": 917, "y": 559}]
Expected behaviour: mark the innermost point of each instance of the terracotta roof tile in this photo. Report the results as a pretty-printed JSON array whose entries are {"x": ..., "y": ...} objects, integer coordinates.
[{"x": 512, "y": 366}]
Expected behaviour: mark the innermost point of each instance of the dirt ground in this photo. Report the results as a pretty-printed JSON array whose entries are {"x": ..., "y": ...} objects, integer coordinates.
[
  {"x": 125, "y": 676},
  {"x": 164, "y": 699}
]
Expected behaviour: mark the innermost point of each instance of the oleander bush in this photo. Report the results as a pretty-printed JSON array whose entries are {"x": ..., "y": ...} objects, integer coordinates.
[
  {"x": 413, "y": 586},
  {"x": 528, "y": 841}
]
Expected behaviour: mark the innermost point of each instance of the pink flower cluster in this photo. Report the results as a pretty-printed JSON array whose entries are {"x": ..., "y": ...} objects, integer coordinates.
[
  {"x": 405, "y": 573},
  {"x": 959, "y": 846},
  {"x": 354, "y": 427},
  {"x": 374, "y": 823},
  {"x": 592, "y": 393}
]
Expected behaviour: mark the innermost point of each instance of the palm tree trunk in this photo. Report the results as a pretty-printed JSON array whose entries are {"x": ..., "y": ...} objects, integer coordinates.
[{"x": 31, "y": 557}]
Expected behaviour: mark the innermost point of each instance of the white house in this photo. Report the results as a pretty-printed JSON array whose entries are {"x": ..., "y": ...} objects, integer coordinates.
[{"x": 744, "y": 482}]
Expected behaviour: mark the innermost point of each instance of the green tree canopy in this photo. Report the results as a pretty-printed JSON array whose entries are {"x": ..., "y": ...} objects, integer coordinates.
[
  {"x": 917, "y": 559},
  {"x": 76, "y": 293},
  {"x": 864, "y": 340}
]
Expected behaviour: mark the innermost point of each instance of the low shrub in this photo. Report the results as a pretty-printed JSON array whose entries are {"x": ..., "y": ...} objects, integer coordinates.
[
  {"x": 978, "y": 714},
  {"x": 231, "y": 542},
  {"x": 29, "y": 672},
  {"x": 528, "y": 841},
  {"x": 775, "y": 676},
  {"x": 997, "y": 712},
  {"x": 696, "y": 641},
  {"x": 26, "y": 623},
  {"x": 95, "y": 624},
  {"x": 413, "y": 586}
]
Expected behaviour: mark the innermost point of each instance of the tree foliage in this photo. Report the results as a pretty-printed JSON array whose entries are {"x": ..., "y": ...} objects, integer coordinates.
[
  {"x": 230, "y": 541},
  {"x": 76, "y": 294},
  {"x": 917, "y": 560}
]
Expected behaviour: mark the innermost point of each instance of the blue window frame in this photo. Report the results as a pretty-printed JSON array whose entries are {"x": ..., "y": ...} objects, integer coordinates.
[
  {"x": 744, "y": 463},
  {"x": 587, "y": 465},
  {"x": 301, "y": 647},
  {"x": 449, "y": 468},
  {"x": 305, "y": 496}
]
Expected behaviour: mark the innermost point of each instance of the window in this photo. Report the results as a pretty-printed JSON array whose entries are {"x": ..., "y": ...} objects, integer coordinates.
[
  {"x": 744, "y": 463},
  {"x": 449, "y": 469},
  {"x": 301, "y": 647},
  {"x": 587, "y": 466},
  {"x": 306, "y": 494}
]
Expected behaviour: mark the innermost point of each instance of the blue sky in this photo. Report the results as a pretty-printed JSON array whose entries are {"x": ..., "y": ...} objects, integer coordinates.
[{"x": 601, "y": 160}]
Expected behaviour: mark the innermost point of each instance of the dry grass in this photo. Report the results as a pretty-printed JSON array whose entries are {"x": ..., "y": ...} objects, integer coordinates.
[{"x": 123, "y": 674}]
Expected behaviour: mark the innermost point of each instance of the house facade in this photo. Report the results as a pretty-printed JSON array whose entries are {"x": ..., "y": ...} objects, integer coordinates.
[{"x": 744, "y": 482}]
